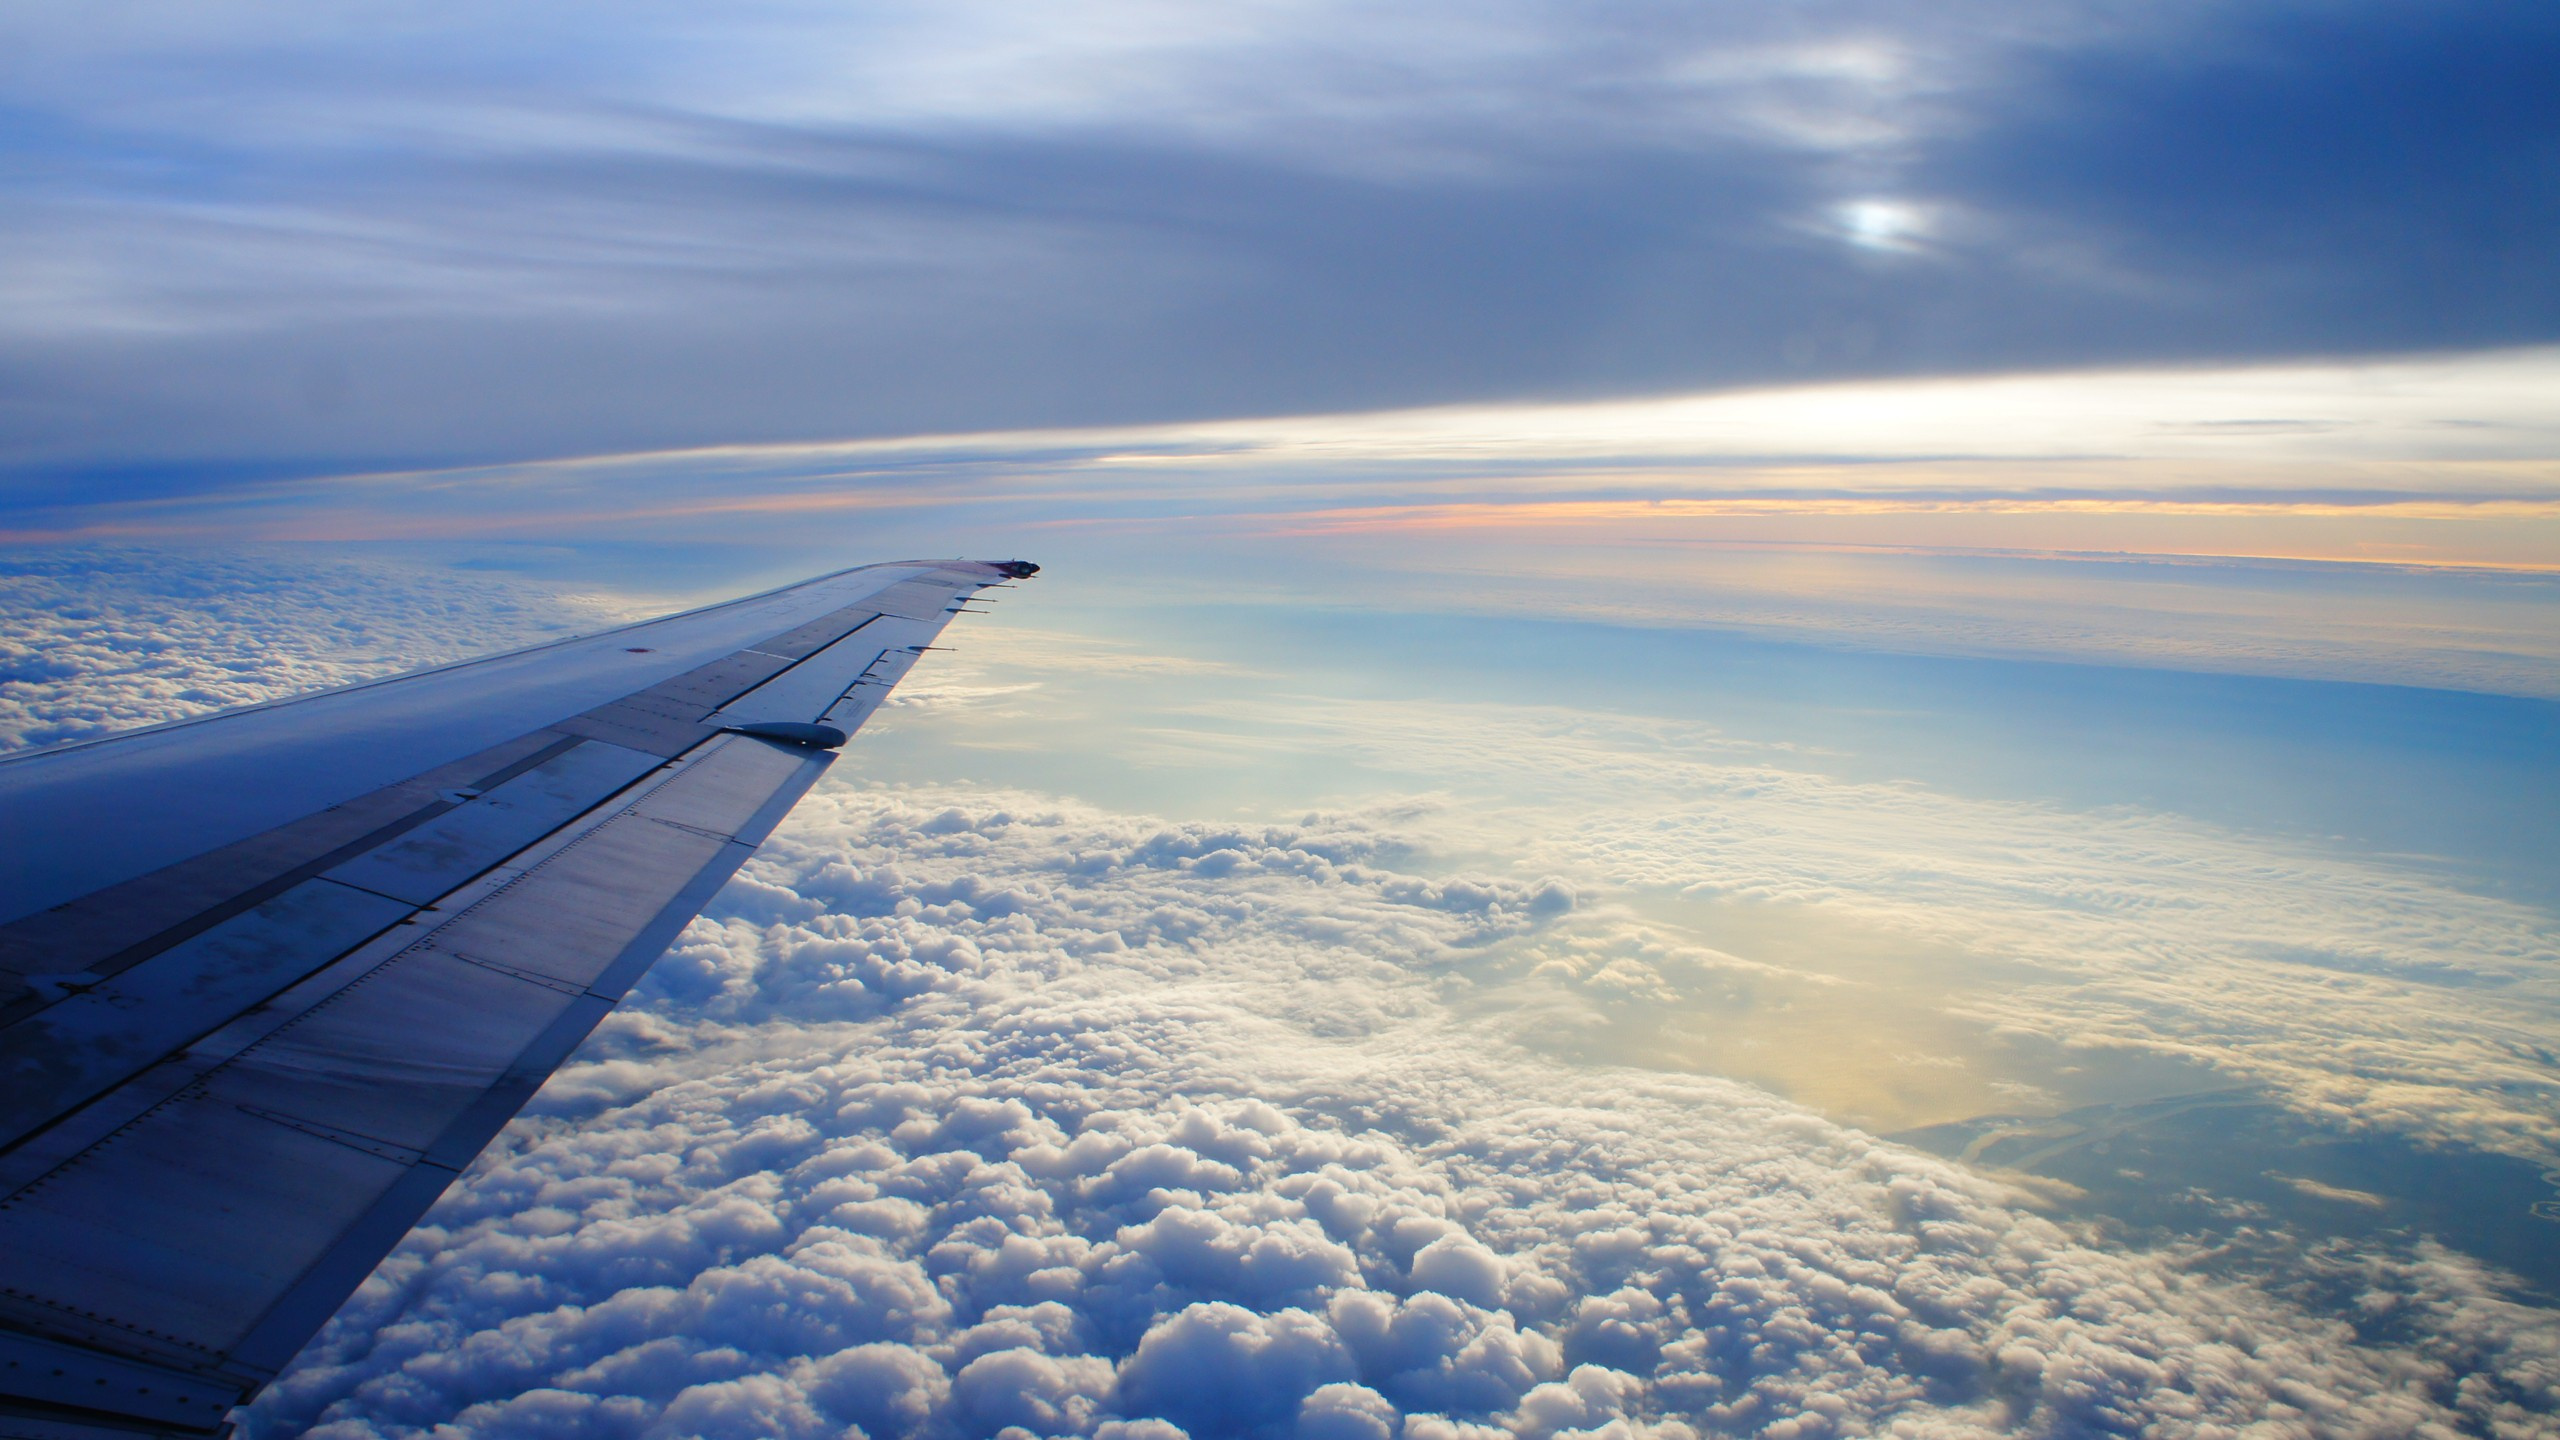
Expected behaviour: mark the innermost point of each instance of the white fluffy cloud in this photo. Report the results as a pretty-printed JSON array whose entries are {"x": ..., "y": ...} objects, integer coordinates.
[
  {"x": 2364, "y": 996},
  {"x": 967, "y": 1114},
  {"x": 2367, "y": 997}
]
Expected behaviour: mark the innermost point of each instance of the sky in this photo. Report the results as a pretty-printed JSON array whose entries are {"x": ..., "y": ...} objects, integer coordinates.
[
  {"x": 1792, "y": 721},
  {"x": 253, "y": 237}
]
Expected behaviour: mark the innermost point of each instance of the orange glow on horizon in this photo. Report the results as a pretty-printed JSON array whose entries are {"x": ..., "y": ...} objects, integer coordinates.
[{"x": 1491, "y": 514}]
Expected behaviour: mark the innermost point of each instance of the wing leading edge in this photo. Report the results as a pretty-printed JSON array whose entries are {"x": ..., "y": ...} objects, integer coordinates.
[{"x": 231, "y": 1082}]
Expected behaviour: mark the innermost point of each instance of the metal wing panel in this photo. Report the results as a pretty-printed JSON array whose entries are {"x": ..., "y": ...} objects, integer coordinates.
[
  {"x": 213, "y": 1131},
  {"x": 804, "y": 691},
  {"x": 106, "y": 931},
  {"x": 871, "y": 657},
  {"x": 487, "y": 827},
  {"x": 98, "y": 1038}
]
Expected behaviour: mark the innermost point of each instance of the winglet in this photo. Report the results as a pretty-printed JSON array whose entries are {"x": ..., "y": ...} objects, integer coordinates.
[{"x": 1018, "y": 569}]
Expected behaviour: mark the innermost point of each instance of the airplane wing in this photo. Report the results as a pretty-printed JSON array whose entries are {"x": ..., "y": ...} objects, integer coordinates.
[{"x": 270, "y": 979}]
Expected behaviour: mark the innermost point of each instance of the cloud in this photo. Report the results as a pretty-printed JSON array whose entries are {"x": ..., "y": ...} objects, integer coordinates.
[
  {"x": 2352, "y": 988},
  {"x": 989, "y": 1110},
  {"x": 2369, "y": 994},
  {"x": 2389, "y": 522},
  {"x": 2283, "y": 123},
  {"x": 1216, "y": 1368}
]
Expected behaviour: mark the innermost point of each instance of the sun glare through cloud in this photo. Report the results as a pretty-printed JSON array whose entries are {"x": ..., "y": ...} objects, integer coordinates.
[{"x": 1883, "y": 224}]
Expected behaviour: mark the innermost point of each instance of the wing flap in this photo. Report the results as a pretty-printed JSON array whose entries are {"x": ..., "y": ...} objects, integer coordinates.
[
  {"x": 105, "y": 1035},
  {"x": 111, "y": 929},
  {"x": 485, "y": 828},
  {"x": 68, "y": 1379},
  {"x": 98, "y": 1254}
]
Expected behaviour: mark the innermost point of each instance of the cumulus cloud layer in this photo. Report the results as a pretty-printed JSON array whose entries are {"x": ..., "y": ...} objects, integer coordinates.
[
  {"x": 969, "y": 1113},
  {"x": 2368, "y": 995},
  {"x": 973, "y": 1111},
  {"x": 2355, "y": 989}
]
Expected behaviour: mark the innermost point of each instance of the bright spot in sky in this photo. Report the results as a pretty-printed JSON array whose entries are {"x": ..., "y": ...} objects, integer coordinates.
[{"x": 1881, "y": 224}]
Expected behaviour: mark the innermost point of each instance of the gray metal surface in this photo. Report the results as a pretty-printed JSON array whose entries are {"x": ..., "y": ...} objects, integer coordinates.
[
  {"x": 487, "y": 827},
  {"x": 68, "y": 1053},
  {"x": 216, "y": 1118},
  {"x": 810, "y": 691}
]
